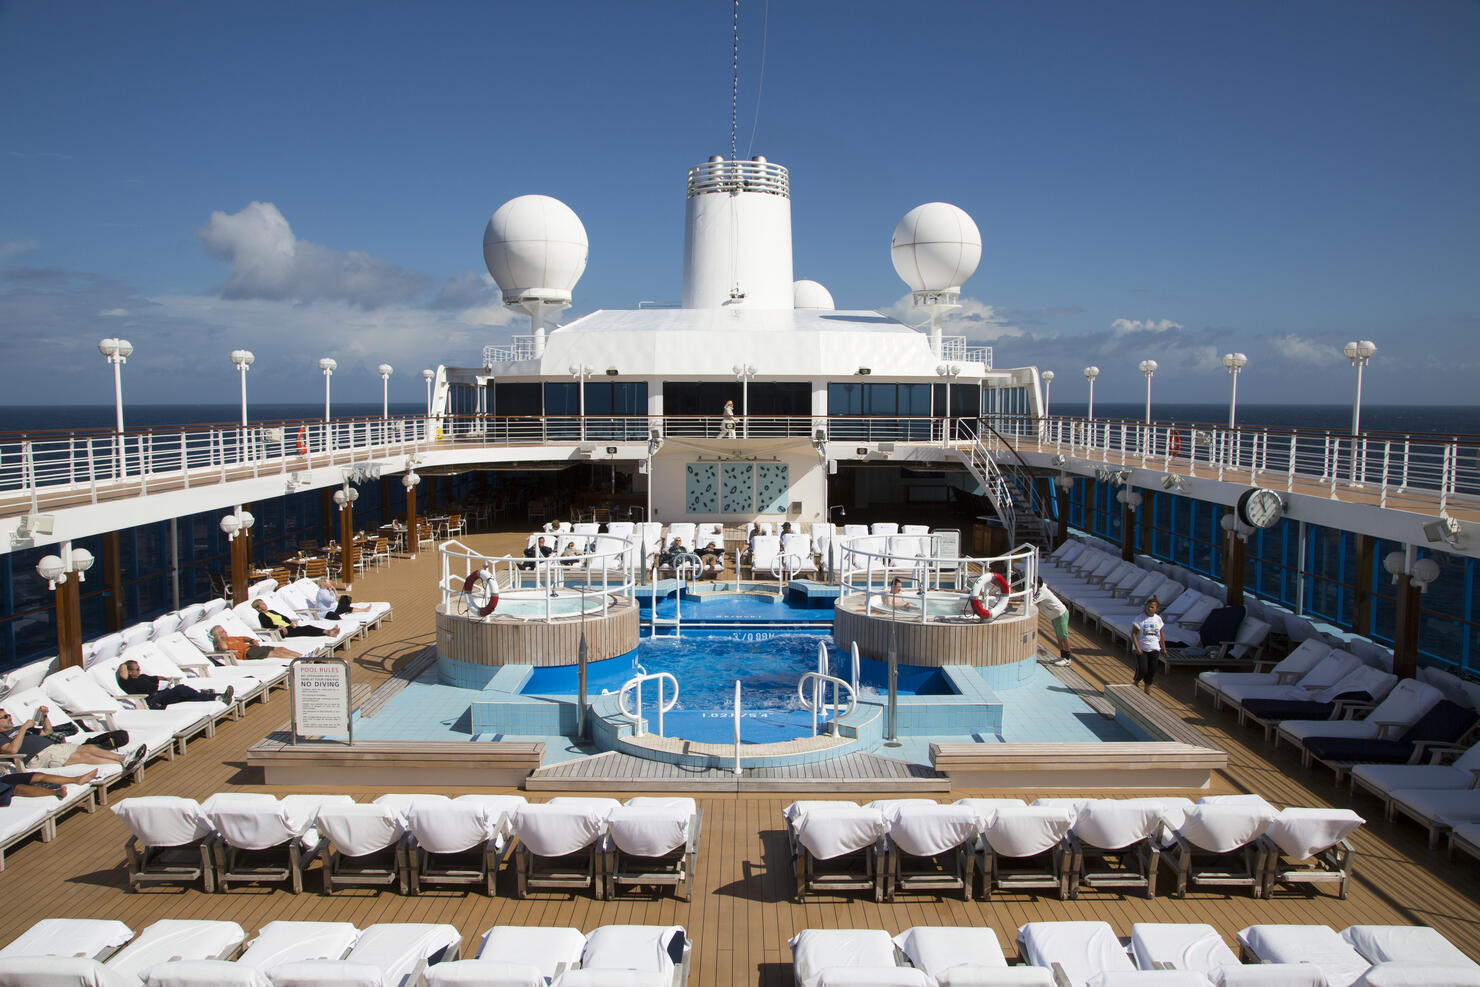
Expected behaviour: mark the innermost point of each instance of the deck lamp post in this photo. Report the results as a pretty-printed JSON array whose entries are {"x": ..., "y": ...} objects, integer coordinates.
[
  {"x": 744, "y": 373},
  {"x": 1047, "y": 377},
  {"x": 327, "y": 366},
  {"x": 243, "y": 360},
  {"x": 948, "y": 371},
  {"x": 427, "y": 376},
  {"x": 1090, "y": 373},
  {"x": 1360, "y": 353},
  {"x": 581, "y": 372},
  {"x": 1233, "y": 362},
  {"x": 54, "y": 569},
  {"x": 345, "y": 497},
  {"x": 385, "y": 370},
  {"x": 1147, "y": 367},
  {"x": 116, "y": 352},
  {"x": 238, "y": 522}
]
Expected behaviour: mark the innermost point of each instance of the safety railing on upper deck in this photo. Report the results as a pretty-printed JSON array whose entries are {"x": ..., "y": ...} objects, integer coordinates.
[
  {"x": 1339, "y": 464},
  {"x": 955, "y": 348},
  {"x": 88, "y": 462},
  {"x": 519, "y": 348}
]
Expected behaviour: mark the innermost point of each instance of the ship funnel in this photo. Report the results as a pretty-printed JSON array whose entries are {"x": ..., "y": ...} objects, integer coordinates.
[{"x": 737, "y": 235}]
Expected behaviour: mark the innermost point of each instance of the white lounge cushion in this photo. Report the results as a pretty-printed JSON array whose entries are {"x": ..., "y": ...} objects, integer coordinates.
[
  {"x": 1318, "y": 945},
  {"x": 399, "y": 950},
  {"x": 1083, "y": 949},
  {"x": 1186, "y": 946},
  {"x": 357, "y": 830},
  {"x": 1269, "y": 975},
  {"x": 328, "y": 973},
  {"x": 1415, "y": 973},
  {"x": 1113, "y": 824},
  {"x": 186, "y": 939},
  {"x": 547, "y": 949},
  {"x": 1149, "y": 978},
  {"x": 278, "y": 943},
  {"x": 1014, "y": 832},
  {"x": 612, "y": 978},
  {"x": 449, "y": 827},
  {"x": 926, "y": 830},
  {"x": 961, "y": 956},
  {"x": 205, "y": 973},
  {"x": 648, "y": 831},
  {"x": 550, "y": 830},
  {"x": 164, "y": 820},
  {"x": 93, "y": 938},
  {"x": 1302, "y": 833},
  {"x": 485, "y": 973},
  {"x": 1220, "y": 826},
  {"x": 401, "y": 802},
  {"x": 816, "y": 950},
  {"x": 832, "y": 833},
  {"x": 643, "y": 948},
  {"x": 46, "y": 971},
  {"x": 1390, "y": 943}
]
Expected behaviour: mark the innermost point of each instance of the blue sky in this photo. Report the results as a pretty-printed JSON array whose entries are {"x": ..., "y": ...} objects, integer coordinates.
[{"x": 1165, "y": 180}]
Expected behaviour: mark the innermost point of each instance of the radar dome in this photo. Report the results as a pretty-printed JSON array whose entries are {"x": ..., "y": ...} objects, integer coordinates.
[
  {"x": 936, "y": 247},
  {"x": 810, "y": 294},
  {"x": 535, "y": 248}
]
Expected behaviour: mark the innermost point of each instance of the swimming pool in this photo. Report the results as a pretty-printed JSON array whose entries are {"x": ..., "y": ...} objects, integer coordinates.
[
  {"x": 562, "y": 603},
  {"x": 936, "y": 605},
  {"x": 748, "y": 604}
]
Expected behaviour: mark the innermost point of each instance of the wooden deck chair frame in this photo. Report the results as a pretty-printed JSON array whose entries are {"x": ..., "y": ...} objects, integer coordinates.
[
  {"x": 1333, "y": 865},
  {"x": 952, "y": 870},
  {"x": 861, "y": 870},
  {"x": 586, "y": 868},
  {"x": 1134, "y": 866},
  {"x": 390, "y": 865},
  {"x": 169, "y": 864},
  {"x": 1049, "y": 869},
  {"x": 675, "y": 868},
  {"x": 284, "y": 862},
  {"x": 1242, "y": 867},
  {"x": 478, "y": 865}
]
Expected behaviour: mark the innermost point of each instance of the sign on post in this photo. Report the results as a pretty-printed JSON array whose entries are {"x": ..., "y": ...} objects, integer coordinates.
[{"x": 319, "y": 690}]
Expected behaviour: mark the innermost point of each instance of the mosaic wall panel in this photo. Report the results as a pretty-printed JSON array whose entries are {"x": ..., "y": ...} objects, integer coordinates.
[
  {"x": 772, "y": 484},
  {"x": 737, "y": 491},
  {"x": 701, "y": 488}
]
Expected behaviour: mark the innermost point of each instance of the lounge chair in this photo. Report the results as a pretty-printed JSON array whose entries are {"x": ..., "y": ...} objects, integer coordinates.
[
  {"x": 1216, "y": 842},
  {"x": 1077, "y": 952},
  {"x": 385, "y": 955},
  {"x": 105, "y": 675},
  {"x": 1384, "y": 779},
  {"x": 838, "y": 957},
  {"x": 659, "y": 952},
  {"x": 22, "y": 704},
  {"x": 1112, "y": 843},
  {"x": 1243, "y": 648},
  {"x": 653, "y": 841},
  {"x": 1025, "y": 848},
  {"x": 797, "y": 551},
  {"x": 85, "y": 700},
  {"x": 836, "y": 846},
  {"x": 1287, "y": 671},
  {"x": 363, "y": 845},
  {"x": 458, "y": 841},
  {"x": 1315, "y": 945},
  {"x": 930, "y": 847},
  {"x": 1409, "y": 972},
  {"x": 765, "y": 555},
  {"x": 279, "y": 943},
  {"x": 1179, "y": 946},
  {"x": 1437, "y": 810},
  {"x": 170, "y": 841},
  {"x": 52, "y": 971},
  {"x": 966, "y": 955},
  {"x": 199, "y": 672},
  {"x": 264, "y": 839},
  {"x": 177, "y": 939},
  {"x": 183, "y": 650},
  {"x": 1310, "y": 846},
  {"x": 84, "y": 938},
  {"x": 1399, "y": 710},
  {"x": 514, "y": 956},
  {"x": 1406, "y": 944},
  {"x": 560, "y": 844},
  {"x": 1445, "y": 726}
]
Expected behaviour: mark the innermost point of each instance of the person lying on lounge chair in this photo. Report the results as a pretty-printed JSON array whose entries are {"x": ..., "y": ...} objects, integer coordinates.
[
  {"x": 135, "y": 683},
  {"x": 38, "y": 784},
  {"x": 245, "y": 648},
  {"x": 40, "y": 750},
  {"x": 274, "y": 621},
  {"x": 333, "y": 603}
]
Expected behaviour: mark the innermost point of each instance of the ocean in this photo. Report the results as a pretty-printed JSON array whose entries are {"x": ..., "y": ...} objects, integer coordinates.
[{"x": 1457, "y": 420}]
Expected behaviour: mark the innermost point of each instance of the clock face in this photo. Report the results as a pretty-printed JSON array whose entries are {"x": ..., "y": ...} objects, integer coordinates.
[{"x": 1260, "y": 508}]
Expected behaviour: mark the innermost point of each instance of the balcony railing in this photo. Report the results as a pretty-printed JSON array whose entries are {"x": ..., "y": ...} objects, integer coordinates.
[
  {"x": 955, "y": 348},
  {"x": 519, "y": 348}
]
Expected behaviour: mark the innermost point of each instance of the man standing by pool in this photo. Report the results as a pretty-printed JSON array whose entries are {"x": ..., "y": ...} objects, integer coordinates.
[{"x": 1053, "y": 608}]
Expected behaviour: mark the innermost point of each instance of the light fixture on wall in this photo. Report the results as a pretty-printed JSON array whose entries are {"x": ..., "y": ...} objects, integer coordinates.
[
  {"x": 1172, "y": 481},
  {"x": 54, "y": 569}
]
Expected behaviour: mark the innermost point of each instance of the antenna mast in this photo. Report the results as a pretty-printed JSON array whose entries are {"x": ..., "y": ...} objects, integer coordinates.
[{"x": 735, "y": 80}]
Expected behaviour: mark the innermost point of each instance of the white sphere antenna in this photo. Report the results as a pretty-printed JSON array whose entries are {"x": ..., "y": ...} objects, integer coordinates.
[
  {"x": 535, "y": 247},
  {"x": 935, "y": 249},
  {"x": 811, "y": 295}
]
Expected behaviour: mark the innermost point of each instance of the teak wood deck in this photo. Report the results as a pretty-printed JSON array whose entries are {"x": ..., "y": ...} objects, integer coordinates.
[{"x": 741, "y": 914}]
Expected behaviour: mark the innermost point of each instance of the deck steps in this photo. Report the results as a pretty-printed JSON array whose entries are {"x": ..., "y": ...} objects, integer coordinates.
[
  {"x": 399, "y": 680},
  {"x": 851, "y": 773},
  {"x": 1077, "y": 684}
]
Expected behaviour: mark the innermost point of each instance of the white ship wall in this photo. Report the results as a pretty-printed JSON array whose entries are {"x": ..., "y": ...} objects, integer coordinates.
[
  {"x": 807, "y": 475},
  {"x": 737, "y": 242}
]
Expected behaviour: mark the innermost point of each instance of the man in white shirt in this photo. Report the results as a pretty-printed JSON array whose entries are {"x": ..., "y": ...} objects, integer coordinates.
[{"x": 1053, "y": 608}]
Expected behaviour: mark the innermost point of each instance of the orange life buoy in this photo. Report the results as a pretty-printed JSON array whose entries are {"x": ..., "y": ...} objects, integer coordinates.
[
  {"x": 988, "y": 605},
  {"x": 1174, "y": 443},
  {"x": 303, "y": 441},
  {"x": 482, "y": 609}
]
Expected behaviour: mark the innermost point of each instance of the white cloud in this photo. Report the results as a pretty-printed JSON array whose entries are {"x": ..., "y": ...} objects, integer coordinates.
[
  {"x": 269, "y": 262},
  {"x": 1124, "y": 327},
  {"x": 15, "y": 248},
  {"x": 975, "y": 319},
  {"x": 1303, "y": 349},
  {"x": 115, "y": 312}
]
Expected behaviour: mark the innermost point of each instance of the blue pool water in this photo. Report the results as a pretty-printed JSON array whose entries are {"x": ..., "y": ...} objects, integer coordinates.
[
  {"x": 706, "y": 669},
  {"x": 748, "y": 606}
]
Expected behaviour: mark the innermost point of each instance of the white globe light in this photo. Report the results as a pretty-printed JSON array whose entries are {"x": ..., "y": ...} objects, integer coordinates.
[
  {"x": 811, "y": 295},
  {"x": 1424, "y": 572},
  {"x": 385, "y": 370},
  {"x": 535, "y": 247},
  {"x": 328, "y": 364},
  {"x": 1091, "y": 373},
  {"x": 1047, "y": 376},
  {"x": 936, "y": 247},
  {"x": 82, "y": 560},
  {"x": 50, "y": 568}
]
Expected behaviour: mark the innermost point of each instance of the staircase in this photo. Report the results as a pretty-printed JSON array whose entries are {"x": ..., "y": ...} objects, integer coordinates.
[{"x": 1010, "y": 490}]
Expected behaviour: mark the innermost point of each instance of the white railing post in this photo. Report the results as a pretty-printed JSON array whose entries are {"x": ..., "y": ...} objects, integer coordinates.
[{"x": 737, "y": 728}]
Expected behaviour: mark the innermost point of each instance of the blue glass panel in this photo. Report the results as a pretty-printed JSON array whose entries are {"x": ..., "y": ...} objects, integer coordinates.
[{"x": 701, "y": 488}]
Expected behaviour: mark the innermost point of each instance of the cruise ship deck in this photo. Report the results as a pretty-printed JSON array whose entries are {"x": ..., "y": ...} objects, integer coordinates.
[{"x": 741, "y": 913}]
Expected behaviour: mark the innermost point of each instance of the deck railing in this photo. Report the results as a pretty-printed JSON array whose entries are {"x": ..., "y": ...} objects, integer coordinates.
[{"x": 64, "y": 468}]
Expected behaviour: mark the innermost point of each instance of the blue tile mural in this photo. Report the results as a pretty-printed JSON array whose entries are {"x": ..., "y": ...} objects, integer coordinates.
[
  {"x": 701, "y": 488},
  {"x": 737, "y": 493},
  {"x": 772, "y": 484}
]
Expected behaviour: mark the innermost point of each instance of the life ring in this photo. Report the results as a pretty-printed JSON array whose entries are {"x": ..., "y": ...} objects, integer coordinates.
[
  {"x": 1174, "y": 443},
  {"x": 303, "y": 441},
  {"x": 475, "y": 586},
  {"x": 988, "y": 597}
]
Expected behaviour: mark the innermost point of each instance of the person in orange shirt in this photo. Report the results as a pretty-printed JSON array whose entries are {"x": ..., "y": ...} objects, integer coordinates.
[{"x": 245, "y": 648}]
